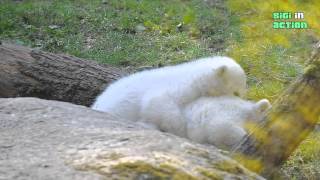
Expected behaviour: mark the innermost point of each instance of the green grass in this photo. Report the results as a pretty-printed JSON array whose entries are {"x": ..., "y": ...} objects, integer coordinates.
[
  {"x": 118, "y": 32},
  {"x": 305, "y": 161},
  {"x": 134, "y": 33}
]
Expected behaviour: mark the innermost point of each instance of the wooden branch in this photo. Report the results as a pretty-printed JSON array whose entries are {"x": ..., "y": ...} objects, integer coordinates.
[
  {"x": 293, "y": 117},
  {"x": 26, "y": 72}
]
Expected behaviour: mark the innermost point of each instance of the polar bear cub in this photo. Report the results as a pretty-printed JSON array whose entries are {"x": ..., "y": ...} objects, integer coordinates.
[
  {"x": 221, "y": 121},
  {"x": 171, "y": 88}
]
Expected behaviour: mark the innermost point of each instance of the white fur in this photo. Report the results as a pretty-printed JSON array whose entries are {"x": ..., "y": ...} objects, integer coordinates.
[
  {"x": 169, "y": 89},
  {"x": 221, "y": 120}
]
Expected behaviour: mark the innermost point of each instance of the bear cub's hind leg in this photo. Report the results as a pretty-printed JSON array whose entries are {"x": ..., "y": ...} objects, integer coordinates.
[{"x": 159, "y": 109}]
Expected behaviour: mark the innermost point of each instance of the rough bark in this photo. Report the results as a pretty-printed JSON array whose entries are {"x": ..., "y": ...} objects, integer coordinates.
[
  {"x": 293, "y": 116},
  {"x": 33, "y": 73},
  {"x": 42, "y": 139}
]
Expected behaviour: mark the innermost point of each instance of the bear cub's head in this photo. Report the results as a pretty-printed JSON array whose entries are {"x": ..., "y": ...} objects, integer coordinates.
[
  {"x": 222, "y": 121},
  {"x": 228, "y": 108},
  {"x": 228, "y": 78}
]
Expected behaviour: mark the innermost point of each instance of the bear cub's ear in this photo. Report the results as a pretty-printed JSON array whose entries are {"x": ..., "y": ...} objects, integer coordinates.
[
  {"x": 221, "y": 70},
  {"x": 263, "y": 105}
]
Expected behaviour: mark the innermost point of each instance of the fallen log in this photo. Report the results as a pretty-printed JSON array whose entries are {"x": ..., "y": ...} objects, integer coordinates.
[{"x": 33, "y": 73}]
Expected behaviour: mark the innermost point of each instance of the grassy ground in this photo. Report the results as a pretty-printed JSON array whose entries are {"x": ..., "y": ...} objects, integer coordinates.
[
  {"x": 305, "y": 162},
  {"x": 135, "y": 33},
  {"x": 127, "y": 33}
]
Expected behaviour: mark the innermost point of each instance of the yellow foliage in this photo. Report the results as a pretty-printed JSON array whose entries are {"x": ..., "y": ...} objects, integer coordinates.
[{"x": 259, "y": 39}]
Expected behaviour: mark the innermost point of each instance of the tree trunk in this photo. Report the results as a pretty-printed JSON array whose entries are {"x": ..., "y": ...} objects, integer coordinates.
[
  {"x": 26, "y": 72},
  {"x": 293, "y": 116}
]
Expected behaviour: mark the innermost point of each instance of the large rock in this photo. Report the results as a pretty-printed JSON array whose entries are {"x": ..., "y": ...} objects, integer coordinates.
[{"x": 42, "y": 139}]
